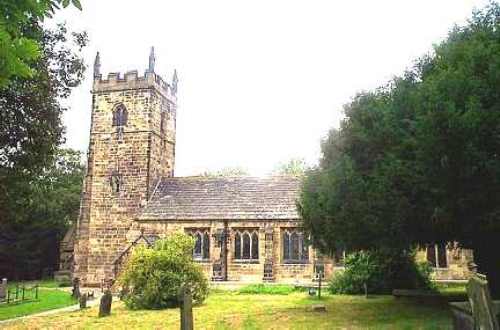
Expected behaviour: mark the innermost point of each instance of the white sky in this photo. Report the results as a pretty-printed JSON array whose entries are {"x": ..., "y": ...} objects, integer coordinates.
[{"x": 261, "y": 81}]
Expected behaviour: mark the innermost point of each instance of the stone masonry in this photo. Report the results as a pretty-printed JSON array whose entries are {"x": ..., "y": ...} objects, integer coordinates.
[
  {"x": 133, "y": 156},
  {"x": 130, "y": 195}
]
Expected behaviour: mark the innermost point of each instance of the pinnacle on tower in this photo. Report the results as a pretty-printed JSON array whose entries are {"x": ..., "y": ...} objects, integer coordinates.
[
  {"x": 151, "y": 67},
  {"x": 97, "y": 65},
  {"x": 175, "y": 80}
]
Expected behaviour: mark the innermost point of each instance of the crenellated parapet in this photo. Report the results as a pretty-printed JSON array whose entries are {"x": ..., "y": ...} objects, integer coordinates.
[{"x": 131, "y": 80}]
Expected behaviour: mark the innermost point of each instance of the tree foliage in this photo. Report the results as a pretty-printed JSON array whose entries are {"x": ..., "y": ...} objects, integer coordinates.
[
  {"x": 294, "y": 167},
  {"x": 381, "y": 271},
  {"x": 36, "y": 196},
  {"x": 226, "y": 172},
  {"x": 152, "y": 277},
  {"x": 417, "y": 161},
  {"x": 19, "y": 51},
  {"x": 38, "y": 212}
]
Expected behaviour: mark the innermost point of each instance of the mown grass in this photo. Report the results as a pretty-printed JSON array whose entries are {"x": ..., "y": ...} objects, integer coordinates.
[
  {"x": 47, "y": 299},
  {"x": 233, "y": 310},
  {"x": 45, "y": 283},
  {"x": 267, "y": 289}
]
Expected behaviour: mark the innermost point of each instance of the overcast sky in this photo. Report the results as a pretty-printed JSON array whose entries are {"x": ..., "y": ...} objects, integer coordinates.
[{"x": 260, "y": 81}]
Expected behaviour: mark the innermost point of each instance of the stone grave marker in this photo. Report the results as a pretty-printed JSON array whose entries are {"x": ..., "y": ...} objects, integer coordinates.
[
  {"x": 3, "y": 289},
  {"x": 83, "y": 301},
  {"x": 186, "y": 299},
  {"x": 76, "y": 288},
  {"x": 105, "y": 305},
  {"x": 483, "y": 312}
]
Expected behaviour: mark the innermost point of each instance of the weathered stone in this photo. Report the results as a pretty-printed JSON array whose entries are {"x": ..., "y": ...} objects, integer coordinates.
[
  {"x": 3, "y": 289},
  {"x": 186, "y": 309},
  {"x": 483, "y": 311},
  {"x": 105, "y": 304},
  {"x": 76, "y": 288},
  {"x": 318, "y": 308},
  {"x": 83, "y": 301},
  {"x": 129, "y": 188}
]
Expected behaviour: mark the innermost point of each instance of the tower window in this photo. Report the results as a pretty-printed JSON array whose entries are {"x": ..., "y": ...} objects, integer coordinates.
[
  {"x": 115, "y": 182},
  {"x": 120, "y": 116}
]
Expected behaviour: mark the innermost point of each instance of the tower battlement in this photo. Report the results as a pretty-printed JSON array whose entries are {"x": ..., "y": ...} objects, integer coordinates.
[{"x": 115, "y": 81}]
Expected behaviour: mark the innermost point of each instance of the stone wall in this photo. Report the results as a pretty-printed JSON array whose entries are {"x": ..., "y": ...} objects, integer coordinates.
[
  {"x": 136, "y": 154},
  {"x": 253, "y": 271}
]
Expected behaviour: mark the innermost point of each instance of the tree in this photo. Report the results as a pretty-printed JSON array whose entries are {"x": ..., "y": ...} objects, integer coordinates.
[
  {"x": 226, "y": 172},
  {"x": 18, "y": 51},
  {"x": 417, "y": 161},
  {"x": 30, "y": 109},
  {"x": 152, "y": 277},
  {"x": 33, "y": 215},
  {"x": 40, "y": 211},
  {"x": 294, "y": 167}
]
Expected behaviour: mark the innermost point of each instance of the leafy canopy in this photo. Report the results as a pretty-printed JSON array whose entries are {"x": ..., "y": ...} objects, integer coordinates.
[
  {"x": 18, "y": 51},
  {"x": 417, "y": 161}
]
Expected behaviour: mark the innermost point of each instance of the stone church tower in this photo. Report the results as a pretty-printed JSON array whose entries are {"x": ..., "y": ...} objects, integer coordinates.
[{"x": 132, "y": 145}]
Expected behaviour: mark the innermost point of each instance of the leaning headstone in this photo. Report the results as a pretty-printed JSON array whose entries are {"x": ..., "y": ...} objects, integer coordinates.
[
  {"x": 3, "y": 289},
  {"x": 186, "y": 309},
  {"x": 105, "y": 305},
  {"x": 483, "y": 312},
  {"x": 76, "y": 288},
  {"x": 83, "y": 301}
]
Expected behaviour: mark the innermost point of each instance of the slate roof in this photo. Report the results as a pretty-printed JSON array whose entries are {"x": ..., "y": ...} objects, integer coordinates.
[{"x": 223, "y": 198}]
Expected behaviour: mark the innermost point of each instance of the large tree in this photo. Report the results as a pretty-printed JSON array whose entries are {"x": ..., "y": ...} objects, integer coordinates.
[
  {"x": 417, "y": 161},
  {"x": 19, "y": 51},
  {"x": 40, "y": 211},
  {"x": 34, "y": 197}
]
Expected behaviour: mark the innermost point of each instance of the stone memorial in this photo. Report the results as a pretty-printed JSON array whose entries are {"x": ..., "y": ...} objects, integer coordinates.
[
  {"x": 83, "y": 301},
  {"x": 186, "y": 309},
  {"x": 76, "y": 288},
  {"x": 483, "y": 311},
  {"x": 105, "y": 305},
  {"x": 3, "y": 289},
  {"x": 480, "y": 312}
]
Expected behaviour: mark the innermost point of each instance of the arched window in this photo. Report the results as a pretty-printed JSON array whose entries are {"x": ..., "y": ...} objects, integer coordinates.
[
  {"x": 120, "y": 116},
  {"x": 246, "y": 245},
  {"x": 201, "y": 249},
  {"x": 295, "y": 248}
]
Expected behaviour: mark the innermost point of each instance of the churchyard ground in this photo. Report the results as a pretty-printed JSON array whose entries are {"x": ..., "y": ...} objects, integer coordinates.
[
  {"x": 235, "y": 310},
  {"x": 50, "y": 296}
]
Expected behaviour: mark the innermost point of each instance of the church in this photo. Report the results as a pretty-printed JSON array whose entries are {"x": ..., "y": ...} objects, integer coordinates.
[{"x": 246, "y": 229}]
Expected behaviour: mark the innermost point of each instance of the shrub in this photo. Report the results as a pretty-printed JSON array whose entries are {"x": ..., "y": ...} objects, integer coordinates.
[
  {"x": 267, "y": 289},
  {"x": 152, "y": 277},
  {"x": 382, "y": 271}
]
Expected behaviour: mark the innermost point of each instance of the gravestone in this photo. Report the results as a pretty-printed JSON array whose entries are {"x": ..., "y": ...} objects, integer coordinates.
[
  {"x": 483, "y": 311},
  {"x": 83, "y": 301},
  {"x": 186, "y": 300},
  {"x": 105, "y": 305},
  {"x": 3, "y": 289},
  {"x": 76, "y": 288}
]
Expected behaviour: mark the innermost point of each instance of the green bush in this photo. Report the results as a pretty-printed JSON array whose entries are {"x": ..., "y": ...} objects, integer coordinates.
[
  {"x": 152, "y": 277},
  {"x": 382, "y": 271},
  {"x": 267, "y": 289}
]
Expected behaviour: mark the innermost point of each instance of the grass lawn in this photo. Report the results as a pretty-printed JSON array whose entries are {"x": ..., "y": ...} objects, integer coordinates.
[
  {"x": 233, "y": 310},
  {"x": 47, "y": 299}
]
